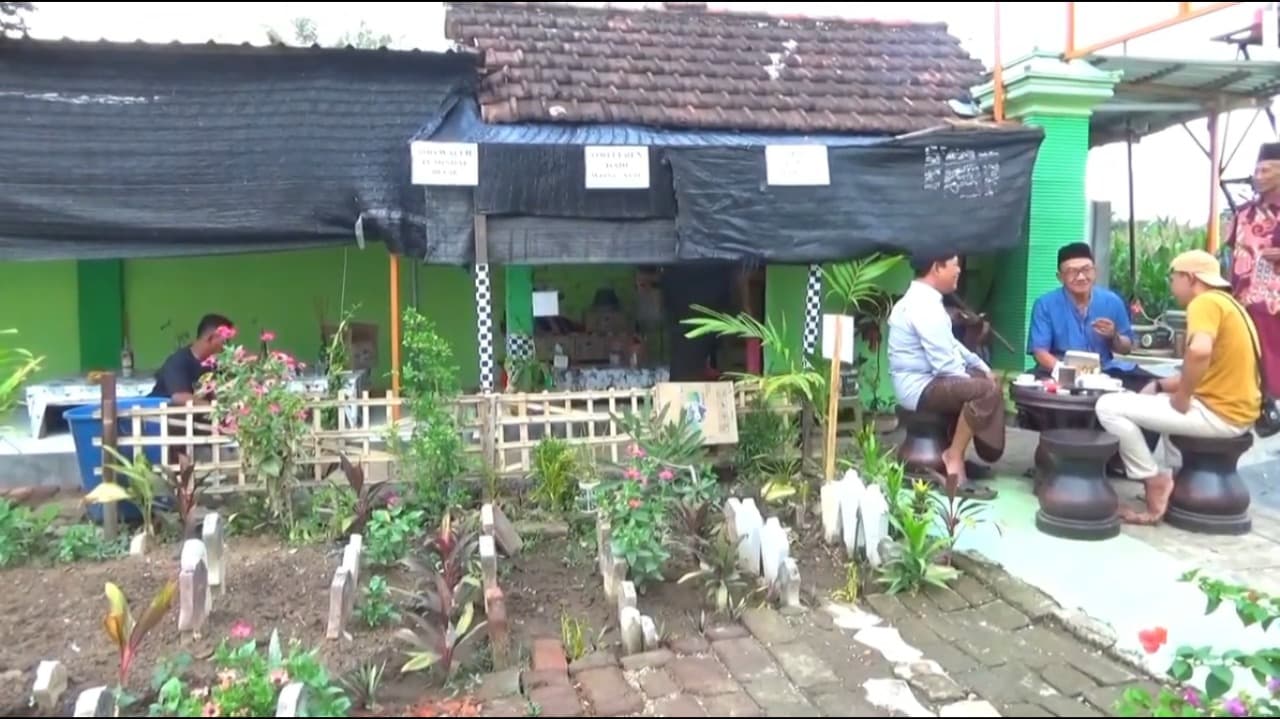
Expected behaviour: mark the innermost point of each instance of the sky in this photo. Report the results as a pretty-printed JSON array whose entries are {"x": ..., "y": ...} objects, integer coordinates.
[{"x": 1171, "y": 172}]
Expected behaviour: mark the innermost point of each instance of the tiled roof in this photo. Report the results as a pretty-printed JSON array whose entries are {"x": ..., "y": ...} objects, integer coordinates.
[{"x": 694, "y": 68}]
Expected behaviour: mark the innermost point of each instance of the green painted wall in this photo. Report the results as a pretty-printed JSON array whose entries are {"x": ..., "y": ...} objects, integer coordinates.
[
  {"x": 578, "y": 285},
  {"x": 39, "y": 300},
  {"x": 519, "y": 304},
  {"x": 100, "y": 287},
  {"x": 784, "y": 290}
]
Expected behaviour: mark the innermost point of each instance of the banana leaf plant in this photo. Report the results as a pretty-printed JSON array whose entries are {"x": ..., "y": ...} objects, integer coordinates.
[{"x": 124, "y": 631}]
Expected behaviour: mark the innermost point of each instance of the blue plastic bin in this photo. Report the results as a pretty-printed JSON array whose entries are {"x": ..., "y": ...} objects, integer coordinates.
[{"x": 85, "y": 428}]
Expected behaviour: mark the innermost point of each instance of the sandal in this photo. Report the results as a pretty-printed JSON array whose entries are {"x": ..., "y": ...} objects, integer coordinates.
[{"x": 968, "y": 490}]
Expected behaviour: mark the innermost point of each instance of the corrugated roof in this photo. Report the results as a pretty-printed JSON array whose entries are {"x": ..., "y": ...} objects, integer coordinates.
[
  {"x": 1155, "y": 94},
  {"x": 209, "y": 45}
]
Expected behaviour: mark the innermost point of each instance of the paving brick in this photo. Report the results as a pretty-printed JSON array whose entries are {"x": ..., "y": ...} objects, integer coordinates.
[
  {"x": 690, "y": 645},
  {"x": 657, "y": 683},
  {"x": 557, "y": 701},
  {"x": 917, "y": 604},
  {"x": 888, "y": 607},
  {"x": 678, "y": 706},
  {"x": 1067, "y": 680},
  {"x": 805, "y": 668},
  {"x": 948, "y": 657},
  {"x": 549, "y": 655},
  {"x": 703, "y": 676},
  {"x": 609, "y": 693},
  {"x": 1030, "y": 710},
  {"x": 737, "y": 704},
  {"x": 1104, "y": 698},
  {"x": 546, "y": 678},
  {"x": 844, "y": 703},
  {"x": 1104, "y": 670},
  {"x": 974, "y": 591},
  {"x": 726, "y": 631},
  {"x": 1025, "y": 598},
  {"x": 746, "y": 659},
  {"x": 1008, "y": 684},
  {"x": 768, "y": 626},
  {"x": 937, "y": 688},
  {"x": 507, "y": 707},
  {"x": 946, "y": 599},
  {"x": 778, "y": 698},
  {"x": 499, "y": 685},
  {"x": 648, "y": 660},
  {"x": 1002, "y": 616},
  {"x": 595, "y": 660},
  {"x": 915, "y": 632},
  {"x": 1066, "y": 707}
]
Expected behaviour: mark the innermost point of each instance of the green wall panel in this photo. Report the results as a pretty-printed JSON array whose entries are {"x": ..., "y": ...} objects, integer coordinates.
[
  {"x": 784, "y": 290},
  {"x": 519, "y": 296},
  {"x": 100, "y": 290},
  {"x": 39, "y": 300}
]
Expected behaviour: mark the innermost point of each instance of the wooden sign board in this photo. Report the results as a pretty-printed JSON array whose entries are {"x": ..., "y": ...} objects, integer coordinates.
[{"x": 709, "y": 404}]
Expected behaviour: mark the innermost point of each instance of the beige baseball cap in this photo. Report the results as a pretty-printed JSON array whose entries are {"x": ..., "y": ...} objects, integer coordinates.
[{"x": 1201, "y": 265}]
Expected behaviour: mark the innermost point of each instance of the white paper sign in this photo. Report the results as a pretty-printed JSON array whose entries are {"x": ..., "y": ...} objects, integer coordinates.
[
  {"x": 546, "y": 304},
  {"x": 797, "y": 165},
  {"x": 617, "y": 167},
  {"x": 445, "y": 163},
  {"x": 847, "y": 339}
]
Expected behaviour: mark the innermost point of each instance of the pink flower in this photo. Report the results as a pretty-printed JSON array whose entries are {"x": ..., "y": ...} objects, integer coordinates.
[
  {"x": 226, "y": 679},
  {"x": 259, "y": 389},
  {"x": 239, "y": 354},
  {"x": 666, "y": 475},
  {"x": 211, "y": 710},
  {"x": 1192, "y": 697},
  {"x": 208, "y": 388},
  {"x": 268, "y": 336},
  {"x": 244, "y": 410},
  {"x": 279, "y": 676},
  {"x": 392, "y": 499},
  {"x": 634, "y": 503},
  {"x": 226, "y": 333},
  {"x": 1235, "y": 707},
  {"x": 275, "y": 408},
  {"x": 209, "y": 362},
  {"x": 302, "y": 415},
  {"x": 632, "y": 474},
  {"x": 230, "y": 426},
  {"x": 636, "y": 451},
  {"x": 241, "y": 630}
]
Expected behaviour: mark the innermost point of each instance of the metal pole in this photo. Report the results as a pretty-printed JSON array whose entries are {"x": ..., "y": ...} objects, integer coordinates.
[
  {"x": 1215, "y": 173},
  {"x": 1133, "y": 222}
]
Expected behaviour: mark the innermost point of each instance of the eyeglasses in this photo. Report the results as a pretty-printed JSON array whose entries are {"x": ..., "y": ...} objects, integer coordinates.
[{"x": 1074, "y": 272}]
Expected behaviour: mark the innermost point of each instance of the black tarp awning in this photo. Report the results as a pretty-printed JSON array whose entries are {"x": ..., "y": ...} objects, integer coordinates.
[{"x": 133, "y": 150}]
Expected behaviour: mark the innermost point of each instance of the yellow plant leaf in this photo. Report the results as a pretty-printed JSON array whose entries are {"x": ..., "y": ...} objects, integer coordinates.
[
  {"x": 107, "y": 493},
  {"x": 118, "y": 623}
]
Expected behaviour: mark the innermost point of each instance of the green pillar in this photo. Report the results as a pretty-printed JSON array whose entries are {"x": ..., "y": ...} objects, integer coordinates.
[
  {"x": 100, "y": 307},
  {"x": 1044, "y": 91},
  {"x": 519, "y": 314},
  {"x": 784, "y": 296}
]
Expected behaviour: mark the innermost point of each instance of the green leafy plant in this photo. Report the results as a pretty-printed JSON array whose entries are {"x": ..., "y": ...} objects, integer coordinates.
[
  {"x": 249, "y": 683},
  {"x": 528, "y": 374},
  {"x": 762, "y": 433},
  {"x": 850, "y": 590},
  {"x": 1158, "y": 242},
  {"x": 376, "y": 608},
  {"x": 80, "y": 542},
  {"x": 390, "y": 533},
  {"x": 140, "y": 489},
  {"x": 784, "y": 483},
  {"x": 363, "y": 684},
  {"x": 573, "y": 636},
  {"x": 638, "y": 516},
  {"x": 959, "y": 513},
  {"x": 916, "y": 564},
  {"x": 791, "y": 380},
  {"x": 126, "y": 633},
  {"x": 555, "y": 472},
  {"x": 21, "y": 531},
  {"x": 16, "y": 367},
  {"x": 185, "y": 486},
  {"x": 366, "y": 497},
  {"x": 723, "y": 583},
  {"x": 677, "y": 442},
  {"x": 444, "y": 629},
  {"x": 335, "y": 365},
  {"x": 855, "y": 284}
]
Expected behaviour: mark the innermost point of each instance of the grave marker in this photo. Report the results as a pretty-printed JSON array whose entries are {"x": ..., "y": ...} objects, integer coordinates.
[
  {"x": 775, "y": 548},
  {"x": 96, "y": 702},
  {"x": 874, "y": 524},
  {"x": 616, "y": 578},
  {"x": 139, "y": 545},
  {"x": 632, "y": 631},
  {"x": 626, "y": 596},
  {"x": 504, "y": 532},
  {"x": 487, "y": 519},
  {"x": 214, "y": 534},
  {"x": 649, "y": 633},
  {"x": 604, "y": 547},
  {"x": 488, "y": 562},
  {"x": 51, "y": 684},
  {"x": 789, "y": 583},
  {"x": 747, "y": 524},
  {"x": 850, "y": 500},
  {"x": 292, "y": 701},
  {"x": 195, "y": 601},
  {"x": 351, "y": 555},
  {"x": 495, "y": 611},
  {"x": 341, "y": 602}
]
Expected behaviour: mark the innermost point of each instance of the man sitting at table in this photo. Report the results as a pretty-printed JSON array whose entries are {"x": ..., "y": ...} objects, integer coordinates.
[
  {"x": 181, "y": 372},
  {"x": 1081, "y": 317},
  {"x": 1216, "y": 395},
  {"x": 933, "y": 372}
]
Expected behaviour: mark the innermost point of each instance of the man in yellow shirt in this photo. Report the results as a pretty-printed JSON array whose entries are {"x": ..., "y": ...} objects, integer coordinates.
[{"x": 1216, "y": 395}]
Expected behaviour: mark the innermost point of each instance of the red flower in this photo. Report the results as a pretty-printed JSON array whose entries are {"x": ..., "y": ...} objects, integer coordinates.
[
  {"x": 634, "y": 503},
  {"x": 1153, "y": 639},
  {"x": 226, "y": 333}
]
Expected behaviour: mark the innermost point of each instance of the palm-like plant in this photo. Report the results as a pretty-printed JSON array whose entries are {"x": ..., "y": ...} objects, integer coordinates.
[
  {"x": 854, "y": 284},
  {"x": 16, "y": 367},
  {"x": 796, "y": 381}
]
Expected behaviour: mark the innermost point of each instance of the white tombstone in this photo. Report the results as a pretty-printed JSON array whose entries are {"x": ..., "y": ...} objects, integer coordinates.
[
  {"x": 342, "y": 599},
  {"x": 96, "y": 702},
  {"x": 632, "y": 631},
  {"x": 139, "y": 545},
  {"x": 775, "y": 549},
  {"x": 789, "y": 583},
  {"x": 487, "y": 520},
  {"x": 874, "y": 512},
  {"x": 489, "y": 561},
  {"x": 626, "y": 596},
  {"x": 732, "y": 508},
  {"x": 292, "y": 701},
  {"x": 850, "y": 500},
  {"x": 195, "y": 601},
  {"x": 616, "y": 577},
  {"x": 353, "y": 556},
  {"x": 649, "y": 633},
  {"x": 213, "y": 532},
  {"x": 604, "y": 547},
  {"x": 748, "y": 525},
  {"x": 51, "y": 684}
]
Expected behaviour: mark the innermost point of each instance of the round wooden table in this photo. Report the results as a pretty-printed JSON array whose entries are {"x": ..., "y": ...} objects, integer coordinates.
[{"x": 1041, "y": 411}]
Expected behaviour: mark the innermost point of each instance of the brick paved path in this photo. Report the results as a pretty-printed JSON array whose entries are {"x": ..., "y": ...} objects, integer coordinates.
[{"x": 991, "y": 647}]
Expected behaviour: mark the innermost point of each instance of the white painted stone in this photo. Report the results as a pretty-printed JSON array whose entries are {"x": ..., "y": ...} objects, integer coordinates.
[
  {"x": 969, "y": 709},
  {"x": 732, "y": 509},
  {"x": 632, "y": 631},
  {"x": 850, "y": 499},
  {"x": 486, "y": 519},
  {"x": 832, "y": 492},
  {"x": 889, "y": 643},
  {"x": 775, "y": 549},
  {"x": 851, "y": 618},
  {"x": 789, "y": 580},
  {"x": 874, "y": 521},
  {"x": 918, "y": 669},
  {"x": 213, "y": 532},
  {"x": 748, "y": 526},
  {"x": 649, "y": 632},
  {"x": 615, "y": 578},
  {"x": 195, "y": 601},
  {"x": 488, "y": 561},
  {"x": 626, "y": 596},
  {"x": 604, "y": 549},
  {"x": 342, "y": 599},
  {"x": 353, "y": 556},
  {"x": 51, "y": 684},
  {"x": 292, "y": 701},
  {"x": 96, "y": 702},
  {"x": 895, "y": 696}
]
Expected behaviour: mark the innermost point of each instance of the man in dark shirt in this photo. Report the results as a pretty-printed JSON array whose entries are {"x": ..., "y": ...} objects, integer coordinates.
[{"x": 181, "y": 373}]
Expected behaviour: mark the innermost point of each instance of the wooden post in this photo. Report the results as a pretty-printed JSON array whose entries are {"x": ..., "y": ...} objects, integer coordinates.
[
  {"x": 109, "y": 439},
  {"x": 1215, "y": 179},
  {"x": 833, "y": 407}
]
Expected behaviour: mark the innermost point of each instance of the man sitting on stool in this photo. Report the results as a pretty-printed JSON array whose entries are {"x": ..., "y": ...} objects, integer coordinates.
[
  {"x": 933, "y": 372},
  {"x": 1216, "y": 395}
]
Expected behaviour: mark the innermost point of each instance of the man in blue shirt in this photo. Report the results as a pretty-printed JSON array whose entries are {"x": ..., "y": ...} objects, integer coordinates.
[
  {"x": 1081, "y": 317},
  {"x": 933, "y": 372}
]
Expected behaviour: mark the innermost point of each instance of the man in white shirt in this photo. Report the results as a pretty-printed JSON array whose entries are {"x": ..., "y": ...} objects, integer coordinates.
[{"x": 933, "y": 372}]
